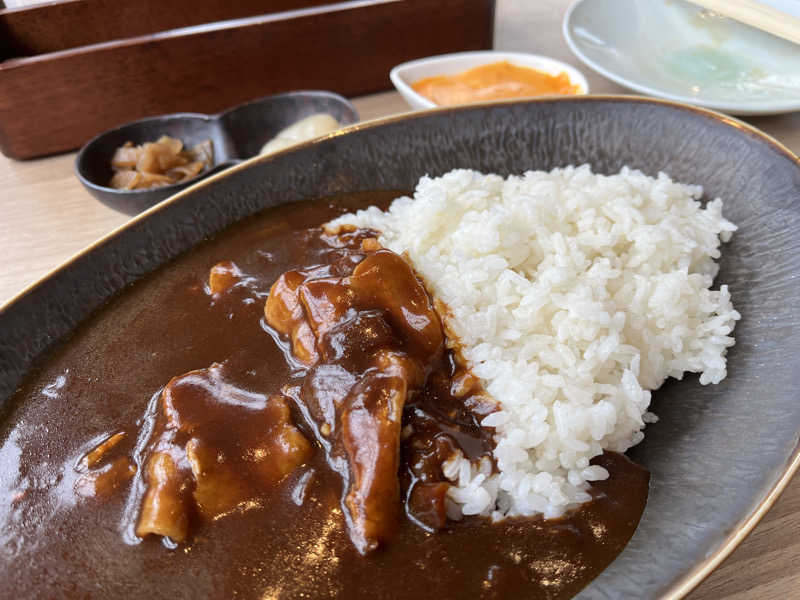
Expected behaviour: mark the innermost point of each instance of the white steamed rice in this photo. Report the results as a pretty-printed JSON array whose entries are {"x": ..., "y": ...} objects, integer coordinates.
[{"x": 571, "y": 295}]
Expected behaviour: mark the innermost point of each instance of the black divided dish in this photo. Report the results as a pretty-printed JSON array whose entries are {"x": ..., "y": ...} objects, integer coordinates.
[{"x": 236, "y": 134}]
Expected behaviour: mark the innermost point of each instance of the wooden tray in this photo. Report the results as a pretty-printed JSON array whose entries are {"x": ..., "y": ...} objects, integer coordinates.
[{"x": 65, "y": 79}]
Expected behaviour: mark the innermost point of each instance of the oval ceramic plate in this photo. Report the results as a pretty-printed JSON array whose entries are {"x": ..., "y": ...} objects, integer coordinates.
[
  {"x": 675, "y": 50},
  {"x": 719, "y": 455}
]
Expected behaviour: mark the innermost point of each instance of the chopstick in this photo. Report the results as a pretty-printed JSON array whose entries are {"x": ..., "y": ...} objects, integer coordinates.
[{"x": 756, "y": 15}]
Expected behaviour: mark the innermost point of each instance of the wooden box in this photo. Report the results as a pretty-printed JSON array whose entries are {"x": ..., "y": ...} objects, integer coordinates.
[{"x": 72, "y": 69}]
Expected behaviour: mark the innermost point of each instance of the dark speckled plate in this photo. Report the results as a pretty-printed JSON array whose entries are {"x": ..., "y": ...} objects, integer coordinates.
[{"x": 719, "y": 456}]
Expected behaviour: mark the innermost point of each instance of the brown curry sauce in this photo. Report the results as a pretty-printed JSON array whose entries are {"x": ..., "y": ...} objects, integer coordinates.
[{"x": 261, "y": 518}]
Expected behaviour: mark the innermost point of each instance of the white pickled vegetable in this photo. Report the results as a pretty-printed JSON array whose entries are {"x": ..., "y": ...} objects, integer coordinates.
[{"x": 305, "y": 129}]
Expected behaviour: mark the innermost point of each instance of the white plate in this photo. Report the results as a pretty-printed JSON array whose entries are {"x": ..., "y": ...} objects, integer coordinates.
[
  {"x": 405, "y": 74},
  {"x": 675, "y": 50}
]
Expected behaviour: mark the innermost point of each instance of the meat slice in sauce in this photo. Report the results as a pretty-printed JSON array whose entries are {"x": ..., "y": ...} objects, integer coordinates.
[
  {"x": 284, "y": 312},
  {"x": 368, "y": 331},
  {"x": 384, "y": 281},
  {"x": 104, "y": 469},
  {"x": 214, "y": 447},
  {"x": 371, "y": 422},
  {"x": 166, "y": 505},
  {"x": 223, "y": 276}
]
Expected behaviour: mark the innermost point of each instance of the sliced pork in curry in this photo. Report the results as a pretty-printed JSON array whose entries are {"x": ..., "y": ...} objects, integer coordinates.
[
  {"x": 374, "y": 386},
  {"x": 367, "y": 331},
  {"x": 214, "y": 447}
]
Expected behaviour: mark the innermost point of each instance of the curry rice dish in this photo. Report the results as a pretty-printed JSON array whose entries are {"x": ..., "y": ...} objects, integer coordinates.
[{"x": 296, "y": 408}]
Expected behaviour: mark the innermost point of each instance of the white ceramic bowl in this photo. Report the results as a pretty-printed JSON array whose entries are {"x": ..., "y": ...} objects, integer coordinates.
[{"x": 405, "y": 74}]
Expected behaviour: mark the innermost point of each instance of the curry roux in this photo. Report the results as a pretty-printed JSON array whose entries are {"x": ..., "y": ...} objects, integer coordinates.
[{"x": 141, "y": 402}]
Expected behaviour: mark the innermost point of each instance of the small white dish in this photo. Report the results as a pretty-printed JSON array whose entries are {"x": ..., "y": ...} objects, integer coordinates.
[
  {"x": 675, "y": 50},
  {"x": 407, "y": 73}
]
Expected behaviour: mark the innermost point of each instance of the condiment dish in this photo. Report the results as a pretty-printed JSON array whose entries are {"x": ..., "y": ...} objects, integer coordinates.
[
  {"x": 404, "y": 75},
  {"x": 235, "y": 134}
]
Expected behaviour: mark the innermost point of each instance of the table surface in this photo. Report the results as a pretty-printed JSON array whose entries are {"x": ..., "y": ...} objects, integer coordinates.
[{"x": 46, "y": 216}]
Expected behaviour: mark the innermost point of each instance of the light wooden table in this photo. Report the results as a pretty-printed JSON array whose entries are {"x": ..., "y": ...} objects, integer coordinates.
[{"x": 45, "y": 216}]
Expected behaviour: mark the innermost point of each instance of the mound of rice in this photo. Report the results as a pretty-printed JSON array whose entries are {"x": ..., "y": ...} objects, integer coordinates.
[{"x": 571, "y": 295}]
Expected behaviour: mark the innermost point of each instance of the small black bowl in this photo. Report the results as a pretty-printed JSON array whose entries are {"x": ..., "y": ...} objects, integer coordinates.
[{"x": 236, "y": 134}]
